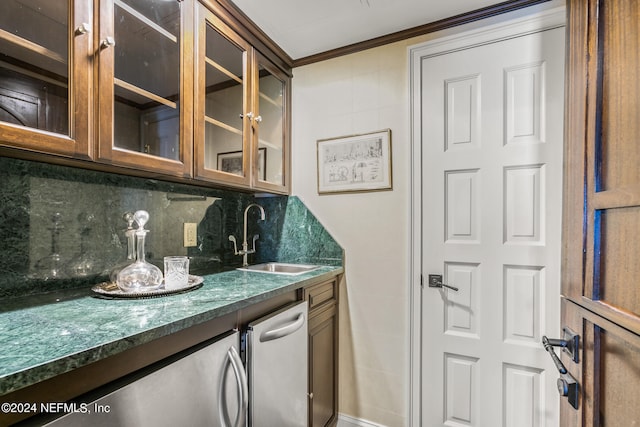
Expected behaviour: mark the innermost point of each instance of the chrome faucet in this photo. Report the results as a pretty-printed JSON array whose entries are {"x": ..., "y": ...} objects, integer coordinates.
[{"x": 245, "y": 246}]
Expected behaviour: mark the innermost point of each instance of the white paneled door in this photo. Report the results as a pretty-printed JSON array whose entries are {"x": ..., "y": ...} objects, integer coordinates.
[{"x": 491, "y": 132}]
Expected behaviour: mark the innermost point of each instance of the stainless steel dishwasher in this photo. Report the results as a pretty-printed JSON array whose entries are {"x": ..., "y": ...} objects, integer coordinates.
[{"x": 277, "y": 368}]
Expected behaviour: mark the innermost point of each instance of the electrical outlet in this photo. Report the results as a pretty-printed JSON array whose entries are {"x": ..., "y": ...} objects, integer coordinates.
[{"x": 190, "y": 234}]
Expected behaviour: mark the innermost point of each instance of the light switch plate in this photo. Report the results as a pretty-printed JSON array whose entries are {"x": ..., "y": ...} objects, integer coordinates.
[{"x": 190, "y": 234}]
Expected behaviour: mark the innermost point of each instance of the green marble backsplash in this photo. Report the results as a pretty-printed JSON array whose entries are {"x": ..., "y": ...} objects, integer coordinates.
[{"x": 63, "y": 227}]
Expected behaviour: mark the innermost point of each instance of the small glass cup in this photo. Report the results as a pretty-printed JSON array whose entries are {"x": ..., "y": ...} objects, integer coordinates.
[{"x": 176, "y": 272}]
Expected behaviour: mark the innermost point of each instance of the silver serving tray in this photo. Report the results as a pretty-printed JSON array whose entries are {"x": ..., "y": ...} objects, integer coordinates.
[{"x": 111, "y": 290}]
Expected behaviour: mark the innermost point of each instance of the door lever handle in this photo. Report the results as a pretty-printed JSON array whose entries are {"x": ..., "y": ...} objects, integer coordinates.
[
  {"x": 548, "y": 345},
  {"x": 567, "y": 385},
  {"x": 435, "y": 281}
]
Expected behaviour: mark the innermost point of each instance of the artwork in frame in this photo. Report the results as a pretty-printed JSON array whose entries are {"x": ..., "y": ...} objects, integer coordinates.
[
  {"x": 355, "y": 163},
  {"x": 231, "y": 162}
]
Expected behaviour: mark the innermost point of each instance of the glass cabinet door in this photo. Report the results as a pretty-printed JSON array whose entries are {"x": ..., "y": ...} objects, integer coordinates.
[
  {"x": 271, "y": 129},
  {"x": 37, "y": 79},
  {"x": 222, "y": 91},
  {"x": 141, "y": 83}
]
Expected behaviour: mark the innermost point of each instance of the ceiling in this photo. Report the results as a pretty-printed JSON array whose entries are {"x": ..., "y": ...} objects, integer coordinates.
[{"x": 307, "y": 27}]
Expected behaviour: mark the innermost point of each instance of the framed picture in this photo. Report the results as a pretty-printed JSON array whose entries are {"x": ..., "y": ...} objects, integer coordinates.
[
  {"x": 355, "y": 163},
  {"x": 231, "y": 162}
]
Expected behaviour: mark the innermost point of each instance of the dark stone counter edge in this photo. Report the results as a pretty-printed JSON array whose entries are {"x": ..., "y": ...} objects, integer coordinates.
[{"x": 28, "y": 377}]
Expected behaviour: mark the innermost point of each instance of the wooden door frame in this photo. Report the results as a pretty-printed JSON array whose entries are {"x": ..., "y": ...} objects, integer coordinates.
[{"x": 506, "y": 29}]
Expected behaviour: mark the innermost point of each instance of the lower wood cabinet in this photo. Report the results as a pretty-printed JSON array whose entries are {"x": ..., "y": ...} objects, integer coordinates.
[{"x": 323, "y": 353}]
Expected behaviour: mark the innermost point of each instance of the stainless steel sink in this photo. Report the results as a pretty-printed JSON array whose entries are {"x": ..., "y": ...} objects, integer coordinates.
[{"x": 280, "y": 268}]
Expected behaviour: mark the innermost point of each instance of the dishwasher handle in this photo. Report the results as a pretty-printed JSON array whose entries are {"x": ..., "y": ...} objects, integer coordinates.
[
  {"x": 283, "y": 331},
  {"x": 233, "y": 359}
]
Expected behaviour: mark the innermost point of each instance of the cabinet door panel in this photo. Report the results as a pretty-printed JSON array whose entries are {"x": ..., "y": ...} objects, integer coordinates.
[
  {"x": 222, "y": 91},
  {"x": 608, "y": 369},
  {"x": 271, "y": 146},
  {"x": 604, "y": 191},
  {"x": 224, "y": 104},
  {"x": 143, "y": 77},
  {"x": 323, "y": 367},
  {"x": 35, "y": 84},
  {"x": 602, "y": 209}
]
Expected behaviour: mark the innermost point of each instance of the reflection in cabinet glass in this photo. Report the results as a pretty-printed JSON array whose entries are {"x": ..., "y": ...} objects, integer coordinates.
[
  {"x": 271, "y": 131},
  {"x": 34, "y": 66},
  {"x": 147, "y": 77},
  {"x": 224, "y": 104},
  {"x": 222, "y": 116}
]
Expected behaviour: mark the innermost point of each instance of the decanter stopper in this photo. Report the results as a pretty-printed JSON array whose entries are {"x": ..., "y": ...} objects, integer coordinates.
[{"x": 141, "y": 217}]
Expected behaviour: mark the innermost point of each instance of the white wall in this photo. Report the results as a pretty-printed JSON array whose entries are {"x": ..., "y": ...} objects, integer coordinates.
[{"x": 360, "y": 93}]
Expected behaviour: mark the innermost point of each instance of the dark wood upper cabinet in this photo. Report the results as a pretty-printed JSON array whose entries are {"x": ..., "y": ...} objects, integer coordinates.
[
  {"x": 45, "y": 80},
  {"x": 241, "y": 110},
  {"x": 177, "y": 88},
  {"x": 144, "y": 61}
]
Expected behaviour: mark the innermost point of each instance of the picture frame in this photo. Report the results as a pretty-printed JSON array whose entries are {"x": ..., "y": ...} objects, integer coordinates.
[
  {"x": 231, "y": 162},
  {"x": 355, "y": 163}
]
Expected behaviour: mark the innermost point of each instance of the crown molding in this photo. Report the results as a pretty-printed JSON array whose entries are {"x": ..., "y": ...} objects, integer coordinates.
[{"x": 454, "y": 21}]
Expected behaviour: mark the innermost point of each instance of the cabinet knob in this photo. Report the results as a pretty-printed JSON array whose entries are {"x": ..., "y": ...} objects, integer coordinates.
[
  {"x": 108, "y": 42},
  {"x": 249, "y": 115},
  {"x": 84, "y": 28}
]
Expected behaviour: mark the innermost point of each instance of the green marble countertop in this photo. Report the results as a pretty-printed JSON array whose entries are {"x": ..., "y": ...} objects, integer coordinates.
[{"x": 40, "y": 342}]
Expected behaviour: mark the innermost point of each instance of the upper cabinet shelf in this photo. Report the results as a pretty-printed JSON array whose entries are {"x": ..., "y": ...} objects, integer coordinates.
[
  {"x": 173, "y": 88},
  {"x": 139, "y": 9}
]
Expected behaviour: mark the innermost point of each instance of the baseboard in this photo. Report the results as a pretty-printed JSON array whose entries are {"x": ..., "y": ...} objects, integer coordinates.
[{"x": 348, "y": 421}]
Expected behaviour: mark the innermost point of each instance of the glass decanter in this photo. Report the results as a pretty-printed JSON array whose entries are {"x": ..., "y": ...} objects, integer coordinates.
[{"x": 140, "y": 276}]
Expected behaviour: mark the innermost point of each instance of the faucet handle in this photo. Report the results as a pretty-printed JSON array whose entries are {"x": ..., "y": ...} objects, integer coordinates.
[
  {"x": 235, "y": 245},
  {"x": 255, "y": 237}
]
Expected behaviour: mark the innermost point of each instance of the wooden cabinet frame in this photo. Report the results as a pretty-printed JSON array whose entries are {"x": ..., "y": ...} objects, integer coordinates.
[
  {"x": 91, "y": 100},
  {"x": 583, "y": 200},
  {"x": 250, "y": 127},
  {"x": 258, "y": 183},
  {"x": 78, "y": 143},
  {"x": 204, "y": 18},
  {"x": 107, "y": 151},
  {"x": 601, "y": 209}
]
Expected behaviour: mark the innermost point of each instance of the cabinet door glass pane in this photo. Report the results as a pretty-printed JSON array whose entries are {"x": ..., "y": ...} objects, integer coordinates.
[
  {"x": 271, "y": 132},
  {"x": 34, "y": 65},
  {"x": 224, "y": 104},
  {"x": 147, "y": 77}
]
